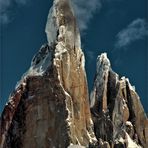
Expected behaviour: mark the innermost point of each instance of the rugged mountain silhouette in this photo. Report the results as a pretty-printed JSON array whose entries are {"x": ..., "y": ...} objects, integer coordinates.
[{"x": 50, "y": 106}]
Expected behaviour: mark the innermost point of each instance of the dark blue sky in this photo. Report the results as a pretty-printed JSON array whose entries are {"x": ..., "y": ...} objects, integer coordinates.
[{"x": 117, "y": 20}]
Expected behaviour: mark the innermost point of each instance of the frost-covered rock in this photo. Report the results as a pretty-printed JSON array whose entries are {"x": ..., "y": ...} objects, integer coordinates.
[
  {"x": 41, "y": 61},
  {"x": 62, "y": 26}
]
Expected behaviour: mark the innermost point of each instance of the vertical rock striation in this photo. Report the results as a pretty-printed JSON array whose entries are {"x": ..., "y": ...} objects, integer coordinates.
[
  {"x": 50, "y": 106},
  {"x": 119, "y": 118}
]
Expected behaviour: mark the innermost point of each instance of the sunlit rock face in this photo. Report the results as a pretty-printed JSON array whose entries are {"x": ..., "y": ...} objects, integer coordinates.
[
  {"x": 50, "y": 106},
  {"x": 119, "y": 118}
]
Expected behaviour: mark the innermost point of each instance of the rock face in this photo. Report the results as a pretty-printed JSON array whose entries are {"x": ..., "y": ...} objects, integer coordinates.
[
  {"x": 119, "y": 118},
  {"x": 50, "y": 105}
]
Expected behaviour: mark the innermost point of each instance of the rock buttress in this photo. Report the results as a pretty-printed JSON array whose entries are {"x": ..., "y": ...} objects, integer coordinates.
[
  {"x": 119, "y": 118},
  {"x": 53, "y": 109}
]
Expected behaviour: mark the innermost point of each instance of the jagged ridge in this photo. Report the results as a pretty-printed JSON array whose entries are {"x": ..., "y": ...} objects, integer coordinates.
[
  {"x": 119, "y": 118},
  {"x": 50, "y": 105}
]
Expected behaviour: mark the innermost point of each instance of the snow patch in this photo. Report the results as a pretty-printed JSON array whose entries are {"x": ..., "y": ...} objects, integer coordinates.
[
  {"x": 75, "y": 146},
  {"x": 92, "y": 98},
  {"x": 39, "y": 65},
  {"x": 40, "y": 62},
  {"x": 131, "y": 143},
  {"x": 82, "y": 61},
  {"x": 128, "y": 123},
  {"x": 62, "y": 32},
  {"x": 60, "y": 49},
  {"x": 103, "y": 62},
  {"x": 130, "y": 86}
]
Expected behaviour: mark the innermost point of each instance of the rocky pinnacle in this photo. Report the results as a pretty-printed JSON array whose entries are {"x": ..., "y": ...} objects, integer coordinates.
[
  {"x": 51, "y": 108},
  {"x": 50, "y": 105},
  {"x": 119, "y": 118}
]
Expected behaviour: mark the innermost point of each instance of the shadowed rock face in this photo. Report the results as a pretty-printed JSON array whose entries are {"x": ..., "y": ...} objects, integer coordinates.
[
  {"x": 119, "y": 118},
  {"x": 50, "y": 105}
]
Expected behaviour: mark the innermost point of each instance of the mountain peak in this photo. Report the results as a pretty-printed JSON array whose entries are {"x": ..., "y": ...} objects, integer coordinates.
[
  {"x": 50, "y": 105},
  {"x": 61, "y": 25},
  {"x": 116, "y": 109}
]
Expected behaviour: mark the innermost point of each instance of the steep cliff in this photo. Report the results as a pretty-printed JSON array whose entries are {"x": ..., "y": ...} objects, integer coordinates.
[
  {"x": 119, "y": 118},
  {"x": 50, "y": 106}
]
